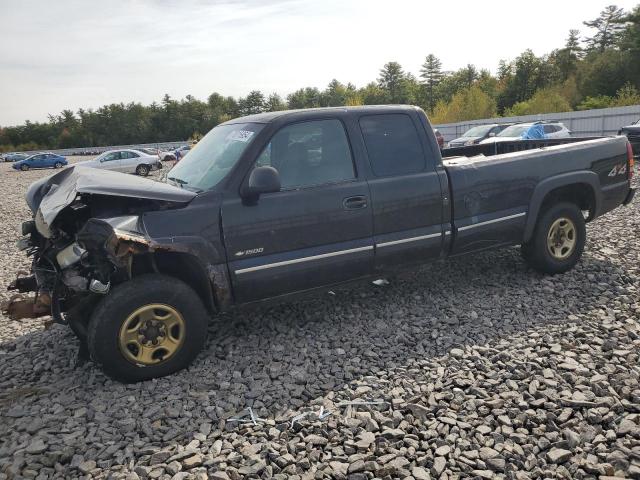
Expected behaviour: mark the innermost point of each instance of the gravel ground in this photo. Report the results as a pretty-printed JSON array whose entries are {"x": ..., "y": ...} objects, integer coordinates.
[{"x": 479, "y": 369}]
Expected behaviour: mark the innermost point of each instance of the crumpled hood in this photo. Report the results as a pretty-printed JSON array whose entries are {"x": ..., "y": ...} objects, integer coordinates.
[{"x": 48, "y": 196}]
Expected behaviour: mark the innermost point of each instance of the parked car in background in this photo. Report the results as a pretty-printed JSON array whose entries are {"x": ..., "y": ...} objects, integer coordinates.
[
  {"x": 125, "y": 161},
  {"x": 529, "y": 130},
  {"x": 166, "y": 155},
  {"x": 180, "y": 152},
  {"x": 163, "y": 155},
  {"x": 478, "y": 133},
  {"x": 14, "y": 157},
  {"x": 632, "y": 132},
  {"x": 439, "y": 138},
  {"x": 40, "y": 160}
]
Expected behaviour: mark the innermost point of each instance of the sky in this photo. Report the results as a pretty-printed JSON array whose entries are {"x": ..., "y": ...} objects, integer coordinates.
[{"x": 71, "y": 54}]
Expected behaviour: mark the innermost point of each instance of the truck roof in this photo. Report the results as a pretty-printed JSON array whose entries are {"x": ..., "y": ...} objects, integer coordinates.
[{"x": 267, "y": 117}]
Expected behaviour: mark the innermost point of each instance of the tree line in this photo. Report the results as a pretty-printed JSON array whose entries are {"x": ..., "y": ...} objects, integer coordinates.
[{"x": 595, "y": 71}]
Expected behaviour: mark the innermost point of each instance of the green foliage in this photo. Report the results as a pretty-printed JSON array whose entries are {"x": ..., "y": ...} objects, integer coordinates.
[
  {"x": 468, "y": 104},
  {"x": 602, "y": 70},
  {"x": 545, "y": 100},
  {"x": 627, "y": 95},
  {"x": 605, "y": 73}
]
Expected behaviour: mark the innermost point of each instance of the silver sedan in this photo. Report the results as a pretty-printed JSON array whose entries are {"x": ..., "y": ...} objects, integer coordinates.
[{"x": 126, "y": 161}]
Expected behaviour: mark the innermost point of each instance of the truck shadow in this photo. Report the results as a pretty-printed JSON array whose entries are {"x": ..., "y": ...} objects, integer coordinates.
[{"x": 281, "y": 358}]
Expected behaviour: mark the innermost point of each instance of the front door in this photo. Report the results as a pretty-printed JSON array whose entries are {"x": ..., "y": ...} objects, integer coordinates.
[
  {"x": 111, "y": 161},
  {"x": 316, "y": 231}
]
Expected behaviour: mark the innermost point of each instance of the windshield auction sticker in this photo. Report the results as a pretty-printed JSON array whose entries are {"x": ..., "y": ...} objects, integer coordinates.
[{"x": 240, "y": 135}]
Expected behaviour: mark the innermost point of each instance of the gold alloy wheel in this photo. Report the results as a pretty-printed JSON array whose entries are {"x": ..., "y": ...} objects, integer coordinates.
[
  {"x": 152, "y": 334},
  {"x": 561, "y": 239}
]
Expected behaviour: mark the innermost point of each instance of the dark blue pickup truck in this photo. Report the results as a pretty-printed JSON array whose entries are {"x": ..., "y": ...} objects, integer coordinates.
[{"x": 281, "y": 203}]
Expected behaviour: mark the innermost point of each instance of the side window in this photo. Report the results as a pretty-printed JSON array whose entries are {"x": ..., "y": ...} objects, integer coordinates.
[
  {"x": 549, "y": 129},
  {"x": 392, "y": 144},
  {"x": 309, "y": 153},
  {"x": 112, "y": 156}
]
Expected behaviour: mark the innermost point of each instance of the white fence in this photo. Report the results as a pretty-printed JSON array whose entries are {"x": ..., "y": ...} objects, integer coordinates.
[{"x": 604, "y": 121}]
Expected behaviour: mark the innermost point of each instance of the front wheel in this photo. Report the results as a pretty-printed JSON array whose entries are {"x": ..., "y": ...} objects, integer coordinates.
[
  {"x": 142, "y": 170},
  {"x": 24, "y": 168},
  {"x": 57, "y": 165},
  {"x": 148, "y": 327},
  {"x": 558, "y": 239}
]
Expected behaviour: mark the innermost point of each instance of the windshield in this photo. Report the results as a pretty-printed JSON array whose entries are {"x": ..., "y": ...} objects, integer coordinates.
[
  {"x": 213, "y": 157},
  {"x": 479, "y": 131},
  {"x": 514, "y": 131}
]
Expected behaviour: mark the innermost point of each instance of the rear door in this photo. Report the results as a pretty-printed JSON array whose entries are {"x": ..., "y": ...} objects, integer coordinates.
[
  {"x": 405, "y": 191},
  {"x": 316, "y": 231},
  {"x": 129, "y": 161}
]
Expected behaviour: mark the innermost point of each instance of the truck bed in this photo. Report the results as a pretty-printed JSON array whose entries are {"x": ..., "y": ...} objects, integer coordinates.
[
  {"x": 492, "y": 194},
  {"x": 498, "y": 148}
]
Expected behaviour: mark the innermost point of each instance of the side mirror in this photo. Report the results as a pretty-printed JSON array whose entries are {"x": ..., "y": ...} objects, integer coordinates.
[
  {"x": 492, "y": 134},
  {"x": 261, "y": 180}
]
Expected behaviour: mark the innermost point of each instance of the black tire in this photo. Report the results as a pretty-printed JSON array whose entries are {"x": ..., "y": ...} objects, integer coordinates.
[
  {"x": 79, "y": 315},
  {"x": 57, "y": 165},
  {"x": 142, "y": 170},
  {"x": 111, "y": 313},
  {"x": 24, "y": 167},
  {"x": 537, "y": 252}
]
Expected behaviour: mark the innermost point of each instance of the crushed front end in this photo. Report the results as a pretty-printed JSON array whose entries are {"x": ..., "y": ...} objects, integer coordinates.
[{"x": 86, "y": 228}]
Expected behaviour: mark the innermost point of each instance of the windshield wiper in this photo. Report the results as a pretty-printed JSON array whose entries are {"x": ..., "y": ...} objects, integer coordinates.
[
  {"x": 184, "y": 183},
  {"x": 179, "y": 181}
]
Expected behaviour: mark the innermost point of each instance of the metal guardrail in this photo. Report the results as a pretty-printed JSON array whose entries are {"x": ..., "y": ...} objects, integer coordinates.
[{"x": 98, "y": 150}]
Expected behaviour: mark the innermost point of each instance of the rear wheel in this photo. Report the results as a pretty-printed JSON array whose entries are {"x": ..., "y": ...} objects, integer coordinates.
[
  {"x": 142, "y": 170},
  {"x": 149, "y": 327},
  {"x": 558, "y": 239}
]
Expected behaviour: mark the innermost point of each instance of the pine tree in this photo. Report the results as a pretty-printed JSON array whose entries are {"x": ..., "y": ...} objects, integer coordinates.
[
  {"x": 392, "y": 81},
  {"x": 609, "y": 27},
  {"x": 431, "y": 75}
]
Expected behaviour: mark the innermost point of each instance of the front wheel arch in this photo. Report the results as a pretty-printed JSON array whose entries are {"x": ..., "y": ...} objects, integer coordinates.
[{"x": 184, "y": 267}]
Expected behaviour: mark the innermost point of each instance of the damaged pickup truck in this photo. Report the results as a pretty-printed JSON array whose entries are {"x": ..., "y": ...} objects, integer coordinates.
[{"x": 287, "y": 202}]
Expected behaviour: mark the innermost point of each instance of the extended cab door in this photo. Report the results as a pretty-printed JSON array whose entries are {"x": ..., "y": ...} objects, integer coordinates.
[
  {"x": 317, "y": 230},
  {"x": 406, "y": 192}
]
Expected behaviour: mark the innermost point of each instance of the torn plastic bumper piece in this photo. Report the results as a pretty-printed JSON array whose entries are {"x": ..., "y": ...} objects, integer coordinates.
[{"x": 18, "y": 307}]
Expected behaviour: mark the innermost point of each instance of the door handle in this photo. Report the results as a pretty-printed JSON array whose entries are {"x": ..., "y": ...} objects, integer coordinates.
[{"x": 354, "y": 203}]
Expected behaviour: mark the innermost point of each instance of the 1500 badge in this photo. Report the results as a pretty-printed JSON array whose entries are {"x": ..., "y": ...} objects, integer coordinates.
[{"x": 252, "y": 251}]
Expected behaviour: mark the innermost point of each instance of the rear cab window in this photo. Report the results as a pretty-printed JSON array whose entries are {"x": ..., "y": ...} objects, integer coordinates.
[{"x": 392, "y": 143}]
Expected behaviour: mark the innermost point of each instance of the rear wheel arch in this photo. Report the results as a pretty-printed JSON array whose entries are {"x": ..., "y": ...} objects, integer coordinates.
[{"x": 581, "y": 189}]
